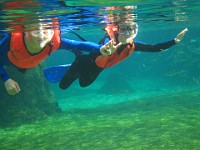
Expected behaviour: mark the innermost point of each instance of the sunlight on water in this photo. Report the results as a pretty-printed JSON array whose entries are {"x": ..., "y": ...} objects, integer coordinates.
[{"x": 70, "y": 13}]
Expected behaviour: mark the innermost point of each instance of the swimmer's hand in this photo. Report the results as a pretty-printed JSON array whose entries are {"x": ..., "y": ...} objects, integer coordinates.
[
  {"x": 109, "y": 48},
  {"x": 180, "y": 36},
  {"x": 12, "y": 87}
]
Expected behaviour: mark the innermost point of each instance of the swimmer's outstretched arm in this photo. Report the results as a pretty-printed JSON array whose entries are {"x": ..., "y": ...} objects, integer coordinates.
[
  {"x": 75, "y": 46},
  {"x": 140, "y": 46}
]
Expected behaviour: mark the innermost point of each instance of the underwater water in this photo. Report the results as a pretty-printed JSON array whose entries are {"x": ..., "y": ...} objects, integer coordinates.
[{"x": 149, "y": 101}]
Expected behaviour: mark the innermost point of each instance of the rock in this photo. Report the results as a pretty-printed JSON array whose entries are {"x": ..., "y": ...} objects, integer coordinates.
[{"x": 35, "y": 100}]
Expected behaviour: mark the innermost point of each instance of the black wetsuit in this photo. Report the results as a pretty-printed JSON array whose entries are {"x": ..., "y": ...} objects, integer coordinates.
[{"x": 85, "y": 69}]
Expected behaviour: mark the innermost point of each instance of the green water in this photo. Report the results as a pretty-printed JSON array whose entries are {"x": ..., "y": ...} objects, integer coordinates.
[{"x": 170, "y": 121}]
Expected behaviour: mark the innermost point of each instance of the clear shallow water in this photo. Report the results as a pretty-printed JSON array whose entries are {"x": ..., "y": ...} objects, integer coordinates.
[
  {"x": 143, "y": 74},
  {"x": 157, "y": 104}
]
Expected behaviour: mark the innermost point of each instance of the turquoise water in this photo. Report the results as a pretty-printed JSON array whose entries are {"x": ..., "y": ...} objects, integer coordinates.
[
  {"x": 149, "y": 101},
  {"x": 142, "y": 74}
]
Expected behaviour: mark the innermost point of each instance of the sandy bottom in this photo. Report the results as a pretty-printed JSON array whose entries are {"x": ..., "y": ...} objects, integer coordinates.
[{"x": 166, "y": 119}]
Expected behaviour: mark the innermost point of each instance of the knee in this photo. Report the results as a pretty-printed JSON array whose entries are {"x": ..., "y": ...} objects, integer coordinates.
[
  {"x": 62, "y": 86},
  {"x": 85, "y": 84}
]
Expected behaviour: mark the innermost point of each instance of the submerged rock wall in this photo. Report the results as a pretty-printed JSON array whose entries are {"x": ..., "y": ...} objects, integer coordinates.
[{"x": 35, "y": 100}]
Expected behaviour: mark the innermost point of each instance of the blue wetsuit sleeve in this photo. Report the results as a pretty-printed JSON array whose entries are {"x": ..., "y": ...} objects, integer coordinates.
[
  {"x": 139, "y": 46},
  {"x": 75, "y": 46},
  {"x": 4, "y": 47},
  {"x": 3, "y": 75}
]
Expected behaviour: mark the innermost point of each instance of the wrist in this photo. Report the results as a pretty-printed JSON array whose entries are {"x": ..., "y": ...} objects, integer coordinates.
[
  {"x": 5, "y": 78},
  {"x": 177, "y": 40}
]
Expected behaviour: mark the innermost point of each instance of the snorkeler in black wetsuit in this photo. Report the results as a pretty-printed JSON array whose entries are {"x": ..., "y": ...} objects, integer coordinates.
[{"x": 86, "y": 68}]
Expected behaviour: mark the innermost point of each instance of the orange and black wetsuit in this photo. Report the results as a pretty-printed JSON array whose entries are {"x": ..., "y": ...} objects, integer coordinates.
[{"x": 86, "y": 69}]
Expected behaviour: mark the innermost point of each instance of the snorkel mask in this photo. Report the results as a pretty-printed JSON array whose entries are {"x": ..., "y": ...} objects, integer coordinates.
[{"x": 128, "y": 29}]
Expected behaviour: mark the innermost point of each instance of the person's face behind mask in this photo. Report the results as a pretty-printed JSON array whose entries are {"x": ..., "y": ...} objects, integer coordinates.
[
  {"x": 41, "y": 36},
  {"x": 127, "y": 32}
]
